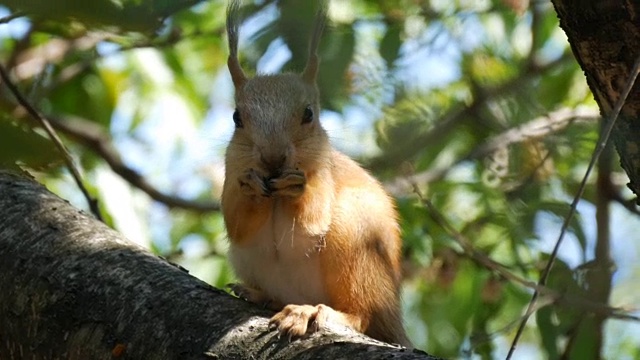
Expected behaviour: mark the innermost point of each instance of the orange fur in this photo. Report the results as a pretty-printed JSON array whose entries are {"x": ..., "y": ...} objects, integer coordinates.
[{"x": 312, "y": 234}]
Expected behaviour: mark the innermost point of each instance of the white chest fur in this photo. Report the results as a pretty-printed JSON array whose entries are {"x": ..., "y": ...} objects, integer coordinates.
[{"x": 282, "y": 260}]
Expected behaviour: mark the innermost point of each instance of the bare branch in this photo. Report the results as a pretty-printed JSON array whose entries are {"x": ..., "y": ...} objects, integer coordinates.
[
  {"x": 32, "y": 61},
  {"x": 8, "y": 18},
  {"x": 93, "y": 137},
  {"x": 453, "y": 117},
  {"x": 537, "y": 128},
  {"x": 630, "y": 204}
]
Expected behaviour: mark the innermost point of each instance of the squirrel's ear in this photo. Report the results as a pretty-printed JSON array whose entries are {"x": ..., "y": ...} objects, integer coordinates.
[
  {"x": 237, "y": 75},
  {"x": 311, "y": 69}
]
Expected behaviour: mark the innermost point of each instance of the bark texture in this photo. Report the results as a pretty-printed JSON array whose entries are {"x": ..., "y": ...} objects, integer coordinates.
[
  {"x": 605, "y": 39},
  {"x": 71, "y": 288}
]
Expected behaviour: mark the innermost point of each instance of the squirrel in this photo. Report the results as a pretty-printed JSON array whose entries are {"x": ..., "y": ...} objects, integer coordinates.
[{"x": 312, "y": 234}]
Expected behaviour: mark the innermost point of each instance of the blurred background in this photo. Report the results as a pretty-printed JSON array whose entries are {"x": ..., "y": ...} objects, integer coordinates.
[{"x": 474, "y": 115}]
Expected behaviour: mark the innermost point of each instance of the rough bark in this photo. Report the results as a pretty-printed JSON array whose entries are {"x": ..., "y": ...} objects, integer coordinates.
[
  {"x": 71, "y": 288},
  {"x": 604, "y": 37}
]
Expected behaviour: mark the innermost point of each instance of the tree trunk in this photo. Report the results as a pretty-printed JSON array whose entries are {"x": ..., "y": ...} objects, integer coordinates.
[
  {"x": 604, "y": 37},
  {"x": 71, "y": 288}
]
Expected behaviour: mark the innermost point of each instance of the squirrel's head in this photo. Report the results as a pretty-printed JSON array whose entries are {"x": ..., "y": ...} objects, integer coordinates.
[{"x": 277, "y": 116}]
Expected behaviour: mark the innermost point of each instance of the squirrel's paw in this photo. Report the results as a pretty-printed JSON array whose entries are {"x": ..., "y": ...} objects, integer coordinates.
[
  {"x": 255, "y": 296},
  {"x": 253, "y": 184},
  {"x": 298, "y": 320},
  {"x": 290, "y": 183}
]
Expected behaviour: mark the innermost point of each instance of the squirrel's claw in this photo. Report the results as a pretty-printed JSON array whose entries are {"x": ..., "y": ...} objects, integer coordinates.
[
  {"x": 295, "y": 321},
  {"x": 290, "y": 183},
  {"x": 253, "y": 184}
]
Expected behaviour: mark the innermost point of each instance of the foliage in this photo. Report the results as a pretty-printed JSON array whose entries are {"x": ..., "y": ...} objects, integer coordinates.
[{"x": 427, "y": 84}]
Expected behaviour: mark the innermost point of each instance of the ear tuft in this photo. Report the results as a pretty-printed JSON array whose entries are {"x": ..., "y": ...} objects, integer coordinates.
[
  {"x": 237, "y": 75},
  {"x": 310, "y": 72}
]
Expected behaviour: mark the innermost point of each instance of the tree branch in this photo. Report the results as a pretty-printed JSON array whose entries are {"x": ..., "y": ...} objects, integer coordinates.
[
  {"x": 630, "y": 205},
  {"x": 8, "y": 18},
  {"x": 93, "y": 137},
  {"x": 93, "y": 203},
  {"x": 454, "y": 116},
  {"x": 89, "y": 134},
  {"x": 551, "y": 295},
  {"x": 74, "y": 289},
  {"x": 537, "y": 128},
  {"x": 608, "y": 59}
]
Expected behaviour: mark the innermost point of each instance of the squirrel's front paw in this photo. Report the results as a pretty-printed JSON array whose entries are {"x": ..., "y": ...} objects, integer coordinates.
[
  {"x": 251, "y": 183},
  {"x": 299, "y": 320},
  {"x": 290, "y": 183}
]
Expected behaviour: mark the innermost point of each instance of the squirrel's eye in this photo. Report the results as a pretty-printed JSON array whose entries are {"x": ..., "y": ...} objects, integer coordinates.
[
  {"x": 307, "y": 116},
  {"x": 237, "y": 120}
]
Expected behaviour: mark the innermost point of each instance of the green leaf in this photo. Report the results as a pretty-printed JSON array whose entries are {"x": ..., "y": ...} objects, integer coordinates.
[
  {"x": 133, "y": 15},
  {"x": 555, "y": 85},
  {"x": 548, "y": 24},
  {"x": 449, "y": 305},
  {"x": 391, "y": 43},
  {"x": 548, "y": 331},
  {"x": 91, "y": 96},
  {"x": 336, "y": 50},
  {"x": 19, "y": 145}
]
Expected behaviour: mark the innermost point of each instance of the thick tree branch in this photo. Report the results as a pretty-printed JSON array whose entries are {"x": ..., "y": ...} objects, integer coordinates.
[
  {"x": 604, "y": 37},
  {"x": 74, "y": 289}
]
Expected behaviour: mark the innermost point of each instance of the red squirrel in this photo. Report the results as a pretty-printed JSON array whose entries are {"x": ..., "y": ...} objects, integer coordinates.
[{"x": 312, "y": 234}]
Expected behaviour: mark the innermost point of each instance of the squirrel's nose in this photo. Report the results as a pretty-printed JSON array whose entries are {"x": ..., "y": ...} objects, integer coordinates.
[{"x": 273, "y": 163}]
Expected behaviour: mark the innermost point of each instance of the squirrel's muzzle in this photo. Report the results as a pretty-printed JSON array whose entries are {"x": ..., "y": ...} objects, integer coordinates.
[{"x": 273, "y": 164}]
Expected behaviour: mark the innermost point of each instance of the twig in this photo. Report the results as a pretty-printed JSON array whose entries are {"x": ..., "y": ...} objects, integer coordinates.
[
  {"x": 466, "y": 246},
  {"x": 8, "y": 18},
  {"x": 94, "y": 138},
  {"x": 630, "y": 205},
  {"x": 553, "y": 296},
  {"x": 74, "y": 69},
  {"x": 602, "y": 142},
  {"x": 93, "y": 203}
]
